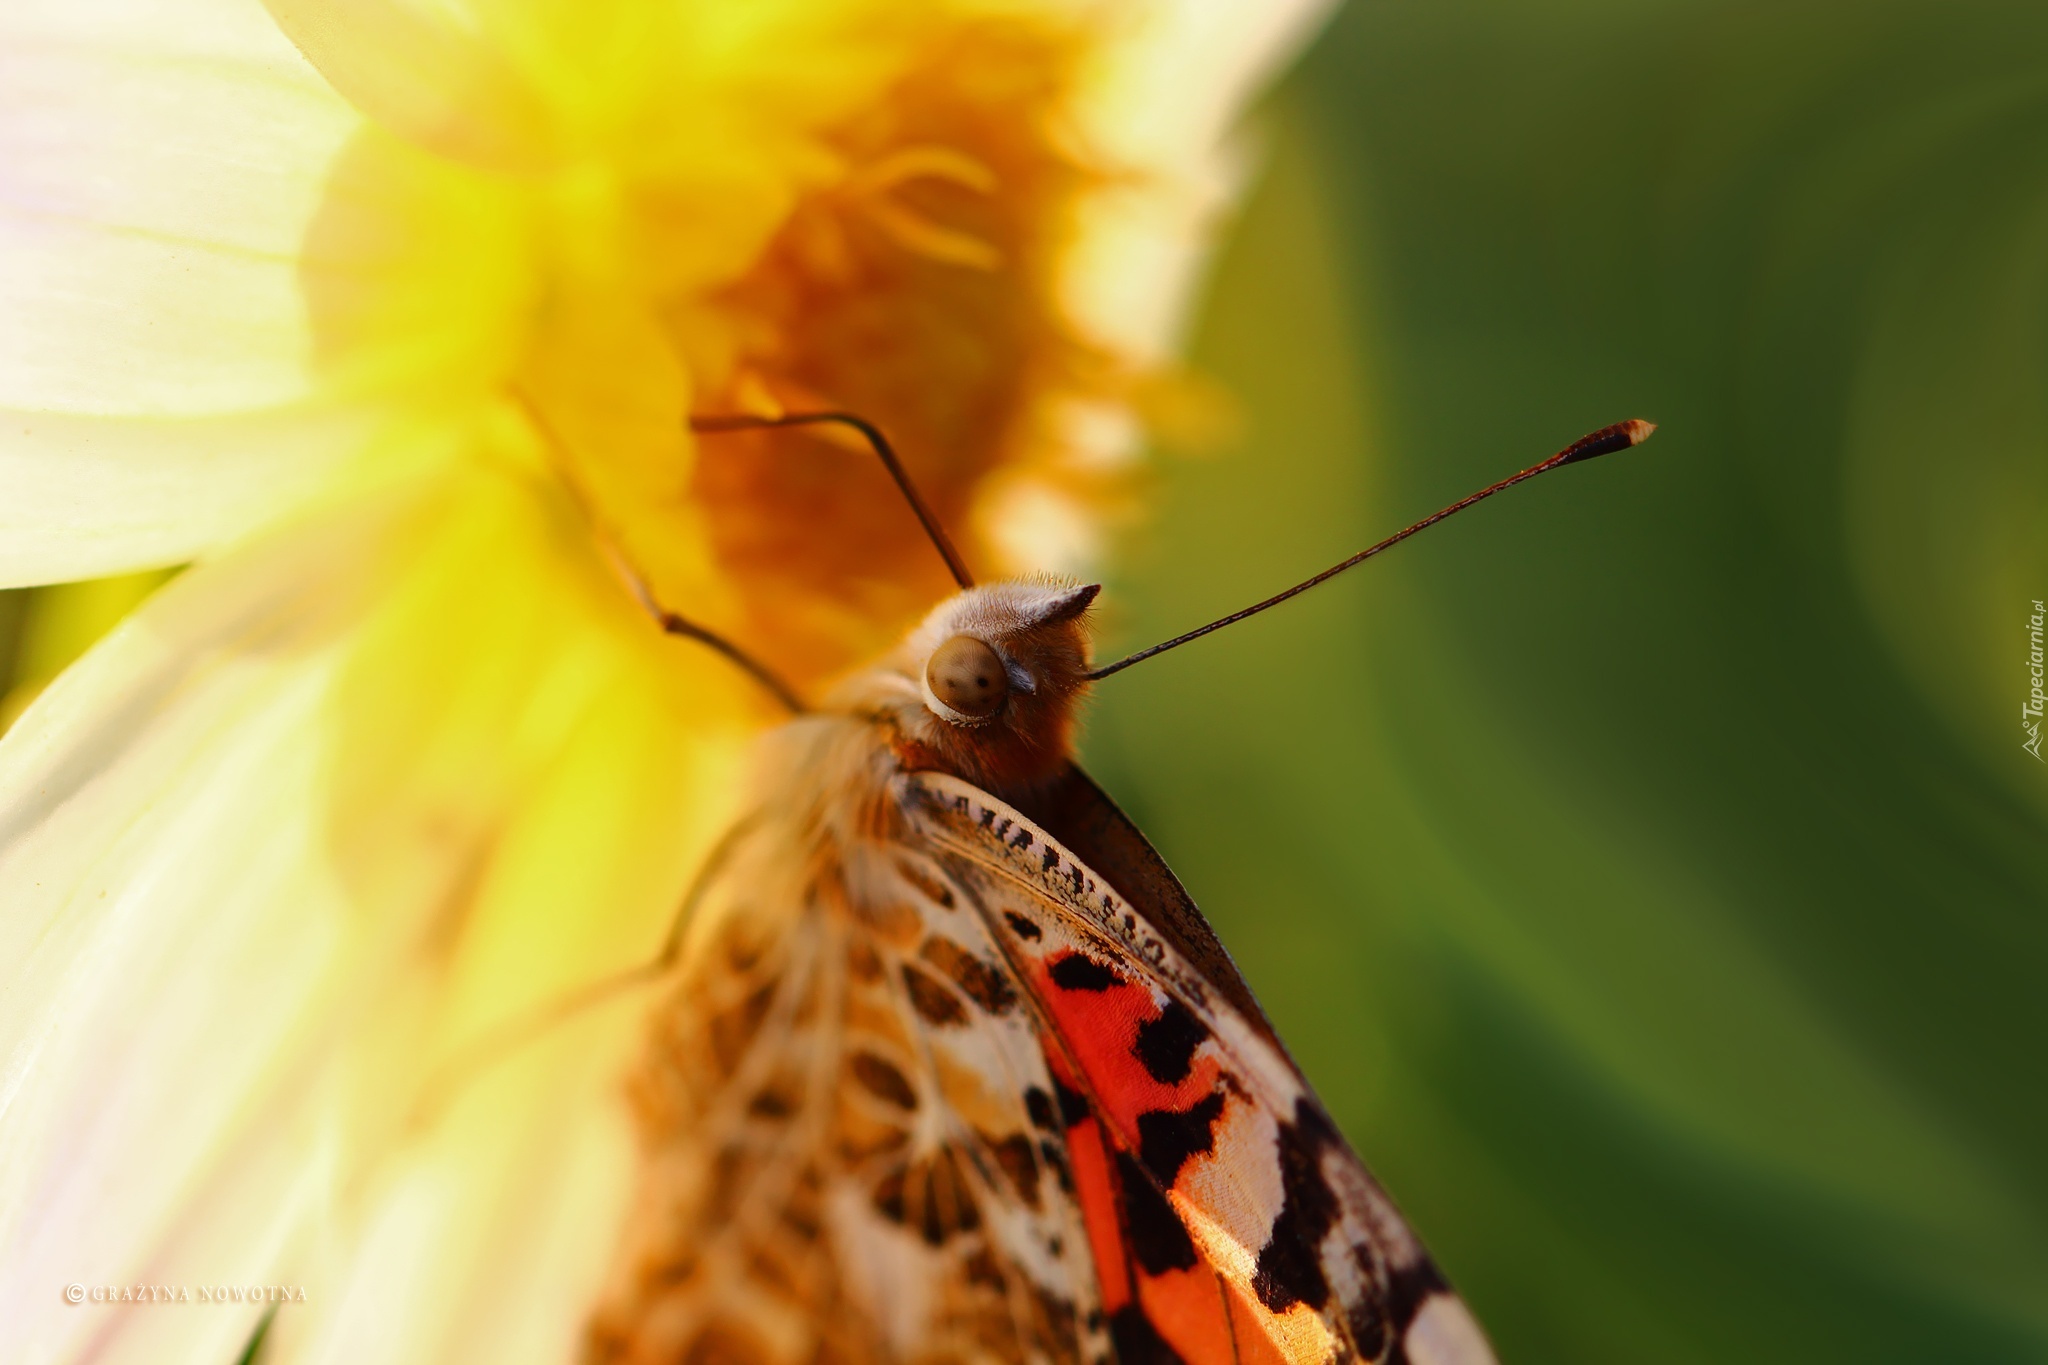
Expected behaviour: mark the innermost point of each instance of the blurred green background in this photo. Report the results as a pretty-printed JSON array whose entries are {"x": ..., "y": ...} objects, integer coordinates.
[{"x": 1645, "y": 865}]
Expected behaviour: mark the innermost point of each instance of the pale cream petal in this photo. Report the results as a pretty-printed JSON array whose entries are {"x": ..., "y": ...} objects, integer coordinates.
[
  {"x": 159, "y": 165},
  {"x": 248, "y": 846},
  {"x": 252, "y": 1215},
  {"x": 82, "y": 497},
  {"x": 486, "y": 1239},
  {"x": 235, "y": 31},
  {"x": 1163, "y": 101},
  {"x": 157, "y": 807},
  {"x": 152, "y": 203}
]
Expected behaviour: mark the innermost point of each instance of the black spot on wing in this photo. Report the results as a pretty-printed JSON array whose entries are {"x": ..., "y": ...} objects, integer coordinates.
[
  {"x": 978, "y": 981},
  {"x": 1038, "y": 1104},
  {"x": 929, "y": 997},
  {"x": 1137, "y": 1341},
  {"x": 772, "y": 1103},
  {"x": 1020, "y": 1163},
  {"x": 733, "y": 1028},
  {"x": 1051, "y": 859},
  {"x": 1289, "y": 1271},
  {"x": 1368, "y": 1324},
  {"x": 1366, "y": 1316},
  {"x": 937, "y": 891},
  {"x": 1166, "y": 1044},
  {"x": 881, "y": 1079},
  {"x": 929, "y": 1196},
  {"x": 982, "y": 1269},
  {"x": 1074, "y": 1107},
  {"x": 1389, "y": 1304},
  {"x": 1168, "y": 1137},
  {"x": 1062, "y": 1320},
  {"x": 949, "y": 1206},
  {"x": 1290, "y": 1268},
  {"x": 1158, "y": 1239},
  {"x": 1411, "y": 1284},
  {"x": 1055, "y": 1158},
  {"x": 888, "y": 1195},
  {"x": 1079, "y": 972},
  {"x": 1023, "y": 927}
]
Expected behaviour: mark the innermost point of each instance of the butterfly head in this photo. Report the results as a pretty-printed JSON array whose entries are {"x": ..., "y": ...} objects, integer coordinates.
[{"x": 998, "y": 672}]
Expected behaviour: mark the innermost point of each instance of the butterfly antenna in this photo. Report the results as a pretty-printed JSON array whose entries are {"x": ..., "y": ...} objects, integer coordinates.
[
  {"x": 1605, "y": 441},
  {"x": 713, "y": 424}
]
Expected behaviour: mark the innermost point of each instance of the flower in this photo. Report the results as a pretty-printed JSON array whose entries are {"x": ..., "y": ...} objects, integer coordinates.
[{"x": 374, "y": 313}]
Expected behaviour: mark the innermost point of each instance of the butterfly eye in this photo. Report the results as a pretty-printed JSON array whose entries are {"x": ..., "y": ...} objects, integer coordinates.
[{"x": 967, "y": 677}]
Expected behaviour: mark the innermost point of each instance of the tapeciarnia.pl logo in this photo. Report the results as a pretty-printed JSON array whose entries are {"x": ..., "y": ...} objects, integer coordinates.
[{"x": 2030, "y": 714}]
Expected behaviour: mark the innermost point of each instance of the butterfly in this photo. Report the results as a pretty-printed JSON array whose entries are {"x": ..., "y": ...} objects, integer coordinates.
[{"x": 950, "y": 1068}]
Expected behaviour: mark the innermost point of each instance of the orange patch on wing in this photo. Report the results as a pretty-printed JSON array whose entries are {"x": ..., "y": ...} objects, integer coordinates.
[
  {"x": 1187, "y": 1307},
  {"x": 1203, "y": 1311},
  {"x": 1099, "y": 1027},
  {"x": 1258, "y": 1342},
  {"x": 1095, "y": 1188}
]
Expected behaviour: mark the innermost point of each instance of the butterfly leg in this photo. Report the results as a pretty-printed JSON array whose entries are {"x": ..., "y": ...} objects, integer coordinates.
[
  {"x": 671, "y": 622},
  {"x": 499, "y": 1043},
  {"x": 674, "y": 623}
]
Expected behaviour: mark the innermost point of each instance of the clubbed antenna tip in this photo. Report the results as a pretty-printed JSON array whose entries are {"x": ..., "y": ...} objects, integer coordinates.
[{"x": 1605, "y": 441}]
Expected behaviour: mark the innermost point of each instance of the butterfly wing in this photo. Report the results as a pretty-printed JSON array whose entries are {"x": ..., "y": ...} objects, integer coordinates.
[
  {"x": 851, "y": 1150},
  {"x": 1081, "y": 817},
  {"x": 1228, "y": 1219},
  {"x": 927, "y": 1087}
]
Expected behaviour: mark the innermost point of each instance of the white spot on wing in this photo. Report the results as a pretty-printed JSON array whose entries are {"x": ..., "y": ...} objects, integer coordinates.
[
  {"x": 1230, "y": 1195},
  {"x": 889, "y": 1271},
  {"x": 1444, "y": 1333}
]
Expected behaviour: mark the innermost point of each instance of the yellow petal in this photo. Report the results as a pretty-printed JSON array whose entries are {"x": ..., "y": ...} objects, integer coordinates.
[
  {"x": 419, "y": 275},
  {"x": 271, "y": 851},
  {"x": 485, "y": 1239},
  {"x": 481, "y": 1237},
  {"x": 427, "y": 74}
]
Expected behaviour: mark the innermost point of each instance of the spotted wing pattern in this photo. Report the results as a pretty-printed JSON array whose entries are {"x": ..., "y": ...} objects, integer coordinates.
[
  {"x": 1228, "y": 1220},
  {"x": 852, "y": 1152}
]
